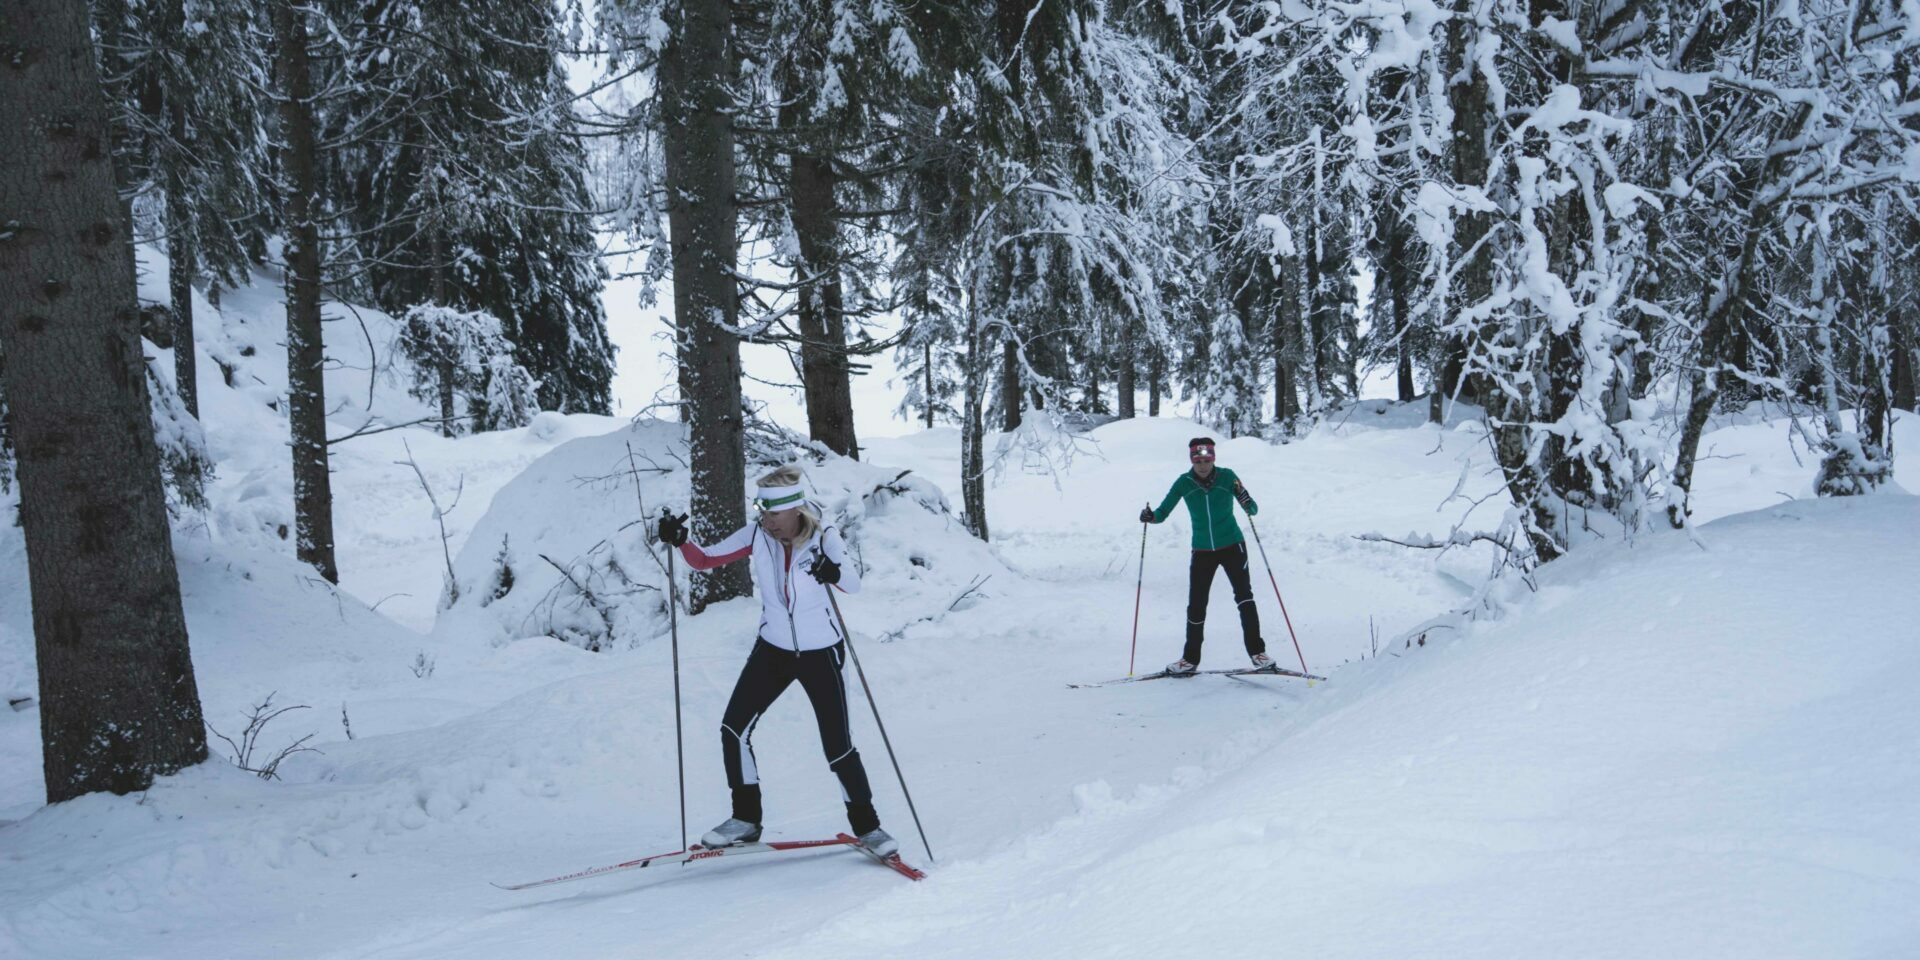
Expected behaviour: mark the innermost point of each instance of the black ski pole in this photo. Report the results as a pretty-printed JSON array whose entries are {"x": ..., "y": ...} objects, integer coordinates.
[
  {"x": 848, "y": 634},
  {"x": 673, "y": 625},
  {"x": 679, "y": 745}
]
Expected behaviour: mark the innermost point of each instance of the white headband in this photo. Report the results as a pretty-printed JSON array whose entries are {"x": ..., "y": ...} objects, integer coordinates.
[{"x": 780, "y": 498}]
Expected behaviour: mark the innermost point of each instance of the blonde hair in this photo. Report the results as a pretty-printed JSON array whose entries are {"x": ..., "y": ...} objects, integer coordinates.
[{"x": 790, "y": 476}]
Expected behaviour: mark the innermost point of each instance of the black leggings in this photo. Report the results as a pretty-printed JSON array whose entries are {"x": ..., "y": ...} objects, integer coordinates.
[
  {"x": 768, "y": 673},
  {"x": 1200, "y": 582}
]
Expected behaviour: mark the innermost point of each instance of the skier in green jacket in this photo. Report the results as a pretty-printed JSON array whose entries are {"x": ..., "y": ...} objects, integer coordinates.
[{"x": 1209, "y": 493}]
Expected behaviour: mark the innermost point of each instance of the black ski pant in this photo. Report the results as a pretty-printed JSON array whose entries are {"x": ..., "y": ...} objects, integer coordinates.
[
  {"x": 768, "y": 673},
  {"x": 1200, "y": 582}
]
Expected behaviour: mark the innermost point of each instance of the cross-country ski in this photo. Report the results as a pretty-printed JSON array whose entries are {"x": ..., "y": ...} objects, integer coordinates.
[
  {"x": 695, "y": 854},
  {"x": 458, "y": 446},
  {"x": 1164, "y": 674}
]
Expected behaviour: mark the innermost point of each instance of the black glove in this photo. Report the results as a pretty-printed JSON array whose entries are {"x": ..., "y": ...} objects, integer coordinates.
[
  {"x": 672, "y": 529},
  {"x": 824, "y": 570},
  {"x": 1240, "y": 493},
  {"x": 1146, "y": 514}
]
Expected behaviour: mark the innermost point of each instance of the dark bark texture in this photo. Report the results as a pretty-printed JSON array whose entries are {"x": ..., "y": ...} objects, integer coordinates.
[
  {"x": 824, "y": 370},
  {"x": 118, "y": 701},
  {"x": 973, "y": 437},
  {"x": 182, "y": 260},
  {"x": 1010, "y": 384},
  {"x": 695, "y": 70},
  {"x": 306, "y": 353}
]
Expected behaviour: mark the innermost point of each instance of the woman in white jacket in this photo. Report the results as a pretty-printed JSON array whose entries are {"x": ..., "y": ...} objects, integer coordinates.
[{"x": 795, "y": 560}]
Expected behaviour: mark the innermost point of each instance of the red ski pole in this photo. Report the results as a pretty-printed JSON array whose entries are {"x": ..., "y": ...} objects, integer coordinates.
[
  {"x": 1138, "y": 580},
  {"x": 1276, "y": 595}
]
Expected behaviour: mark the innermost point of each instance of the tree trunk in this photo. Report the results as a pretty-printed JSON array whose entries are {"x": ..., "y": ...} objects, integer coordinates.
[
  {"x": 118, "y": 701},
  {"x": 180, "y": 270},
  {"x": 306, "y": 351},
  {"x": 1876, "y": 404},
  {"x": 1285, "y": 318},
  {"x": 1720, "y": 309},
  {"x": 437, "y": 264},
  {"x": 1310, "y": 321},
  {"x": 1704, "y": 381},
  {"x": 1010, "y": 384},
  {"x": 1127, "y": 363},
  {"x": 1156, "y": 371},
  {"x": 696, "y": 67},
  {"x": 973, "y": 458},
  {"x": 1469, "y": 166},
  {"x": 1095, "y": 403},
  {"x": 1398, "y": 280},
  {"x": 181, "y": 260},
  {"x": 1904, "y": 386},
  {"x": 927, "y": 355},
  {"x": 824, "y": 370}
]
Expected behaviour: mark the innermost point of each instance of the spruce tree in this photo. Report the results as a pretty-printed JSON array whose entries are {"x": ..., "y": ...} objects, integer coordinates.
[
  {"x": 119, "y": 705},
  {"x": 464, "y": 161}
]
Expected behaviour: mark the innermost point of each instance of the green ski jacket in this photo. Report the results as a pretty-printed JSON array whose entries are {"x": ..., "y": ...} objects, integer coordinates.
[{"x": 1210, "y": 505}]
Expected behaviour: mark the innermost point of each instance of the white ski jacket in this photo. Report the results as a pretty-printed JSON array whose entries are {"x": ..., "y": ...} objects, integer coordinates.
[{"x": 794, "y": 610}]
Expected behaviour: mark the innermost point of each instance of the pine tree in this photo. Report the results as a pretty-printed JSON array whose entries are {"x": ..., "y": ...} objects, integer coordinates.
[
  {"x": 836, "y": 75},
  {"x": 119, "y": 705},
  {"x": 1230, "y": 390},
  {"x": 303, "y": 207},
  {"x": 463, "y": 156}
]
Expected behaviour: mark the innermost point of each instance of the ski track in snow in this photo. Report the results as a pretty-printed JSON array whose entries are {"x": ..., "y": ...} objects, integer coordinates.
[{"x": 1671, "y": 750}]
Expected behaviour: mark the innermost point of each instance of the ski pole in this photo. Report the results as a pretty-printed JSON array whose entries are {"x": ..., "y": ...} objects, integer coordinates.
[
  {"x": 1276, "y": 595},
  {"x": 679, "y": 744},
  {"x": 1138, "y": 580},
  {"x": 855, "y": 656},
  {"x": 673, "y": 625}
]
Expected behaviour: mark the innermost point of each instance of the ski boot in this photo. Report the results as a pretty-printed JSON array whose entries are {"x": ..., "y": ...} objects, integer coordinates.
[
  {"x": 879, "y": 843},
  {"x": 732, "y": 832},
  {"x": 1181, "y": 668}
]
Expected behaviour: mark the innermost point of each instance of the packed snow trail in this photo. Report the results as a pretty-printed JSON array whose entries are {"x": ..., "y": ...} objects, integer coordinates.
[{"x": 1672, "y": 750}]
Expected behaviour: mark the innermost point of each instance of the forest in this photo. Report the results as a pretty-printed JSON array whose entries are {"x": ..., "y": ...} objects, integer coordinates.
[{"x": 1599, "y": 229}]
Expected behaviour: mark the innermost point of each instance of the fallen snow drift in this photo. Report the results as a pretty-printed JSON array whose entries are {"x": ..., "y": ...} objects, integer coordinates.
[{"x": 564, "y": 550}]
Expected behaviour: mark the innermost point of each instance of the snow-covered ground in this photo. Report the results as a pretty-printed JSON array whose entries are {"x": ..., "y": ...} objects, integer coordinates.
[{"x": 1681, "y": 746}]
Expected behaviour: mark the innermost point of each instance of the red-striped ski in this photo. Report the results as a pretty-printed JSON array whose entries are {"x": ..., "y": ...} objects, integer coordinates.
[
  {"x": 695, "y": 853},
  {"x": 891, "y": 861},
  {"x": 1239, "y": 672}
]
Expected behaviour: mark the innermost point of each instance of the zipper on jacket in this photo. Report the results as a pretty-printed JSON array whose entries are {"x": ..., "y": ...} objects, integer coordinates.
[
  {"x": 786, "y": 590},
  {"x": 1213, "y": 542}
]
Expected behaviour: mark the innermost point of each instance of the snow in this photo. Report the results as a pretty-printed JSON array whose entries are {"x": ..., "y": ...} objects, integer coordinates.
[
  {"x": 1668, "y": 752},
  {"x": 1690, "y": 744}
]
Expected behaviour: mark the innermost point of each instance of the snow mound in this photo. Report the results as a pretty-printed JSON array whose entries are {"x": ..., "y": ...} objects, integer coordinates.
[
  {"x": 257, "y": 624},
  {"x": 563, "y": 550},
  {"x": 1669, "y": 751}
]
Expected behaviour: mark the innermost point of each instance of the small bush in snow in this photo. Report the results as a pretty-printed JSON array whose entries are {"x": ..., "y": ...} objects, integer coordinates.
[
  {"x": 502, "y": 573},
  {"x": 246, "y": 753},
  {"x": 464, "y": 354}
]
